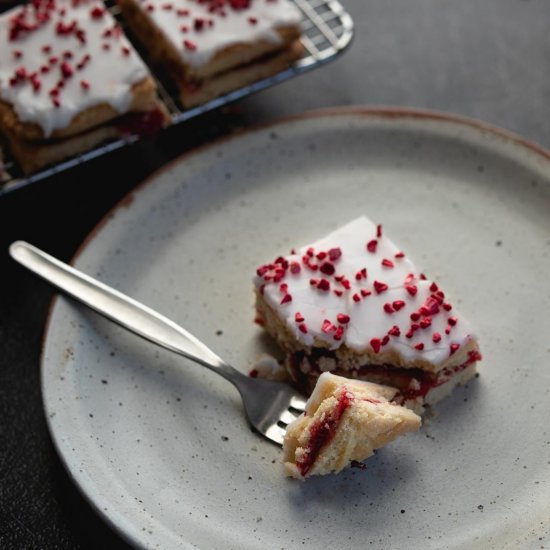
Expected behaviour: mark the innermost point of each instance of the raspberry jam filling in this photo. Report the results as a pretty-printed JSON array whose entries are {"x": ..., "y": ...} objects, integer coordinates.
[
  {"x": 412, "y": 383},
  {"x": 144, "y": 125},
  {"x": 322, "y": 432}
]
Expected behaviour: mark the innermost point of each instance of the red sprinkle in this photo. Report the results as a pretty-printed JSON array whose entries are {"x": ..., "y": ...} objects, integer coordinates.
[
  {"x": 380, "y": 287},
  {"x": 97, "y": 12},
  {"x": 343, "y": 318},
  {"x": 328, "y": 327},
  {"x": 394, "y": 331},
  {"x": 376, "y": 344},
  {"x": 21, "y": 73},
  {"x": 339, "y": 333},
  {"x": 434, "y": 287},
  {"x": 253, "y": 20},
  {"x": 436, "y": 337},
  {"x": 286, "y": 299},
  {"x": 85, "y": 84},
  {"x": 379, "y": 230},
  {"x": 419, "y": 346},
  {"x": 447, "y": 307},
  {"x": 303, "y": 328},
  {"x": 66, "y": 70},
  {"x": 365, "y": 292},
  {"x": 36, "y": 84},
  {"x": 411, "y": 289},
  {"x": 453, "y": 348},
  {"x": 452, "y": 321},
  {"x": 356, "y": 297},
  {"x": 295, "y": 267},
  {"x": 425, "y": 322},
  {"x": 334, "y": 254},
  {"x": 371, "y": 245},
  {"x": 398, "y": 304},
  {"x": 388, "y": 308},
  {"x": 324, "y": 285},
  {"x": 299, "y": 317},
  {"x": 327, "y": 268},
  {"x": 399, "y": 255},
  {"x": 387, "y": 263},
  {"x": 190, "y": 45}
]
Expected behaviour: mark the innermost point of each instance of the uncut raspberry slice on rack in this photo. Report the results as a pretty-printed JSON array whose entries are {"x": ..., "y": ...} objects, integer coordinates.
[{"x": 69, "y": 81}]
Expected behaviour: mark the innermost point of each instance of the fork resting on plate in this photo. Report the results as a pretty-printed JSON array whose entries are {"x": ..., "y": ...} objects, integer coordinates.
[{"x": 270, "y": 406}]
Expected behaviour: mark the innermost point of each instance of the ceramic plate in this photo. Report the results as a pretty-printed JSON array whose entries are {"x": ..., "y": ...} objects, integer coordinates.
[{"x": 160, "y": 446}]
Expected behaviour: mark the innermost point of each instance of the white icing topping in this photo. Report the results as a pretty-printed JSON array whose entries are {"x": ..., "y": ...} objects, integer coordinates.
[
  {"x": 323, "y": 295},
  {"x": 106, "y": 77},
  {"x": 199, "y": 29}
]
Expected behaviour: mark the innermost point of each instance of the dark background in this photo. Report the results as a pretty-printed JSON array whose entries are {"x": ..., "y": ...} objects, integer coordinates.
[{"x": 488, "y": 59}]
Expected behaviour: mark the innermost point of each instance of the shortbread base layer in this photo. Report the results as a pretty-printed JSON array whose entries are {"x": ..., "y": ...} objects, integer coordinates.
[
  {"x": 32, "y": 156},
  {"x": 196, "y": 93}
]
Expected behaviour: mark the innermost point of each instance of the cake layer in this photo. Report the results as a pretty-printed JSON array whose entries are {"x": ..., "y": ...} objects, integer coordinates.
[
  {"x": 344, "y": 421},
  {"x": 414, "y": 387},
  {"x": 32, "y": 156}
]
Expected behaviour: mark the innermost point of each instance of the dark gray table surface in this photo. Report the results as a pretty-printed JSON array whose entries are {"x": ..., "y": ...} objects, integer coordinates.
[{"x": 487, "y": 59}]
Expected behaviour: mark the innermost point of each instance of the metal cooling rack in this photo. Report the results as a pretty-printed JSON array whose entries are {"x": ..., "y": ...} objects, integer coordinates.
[{"x": 327, "y": 30}]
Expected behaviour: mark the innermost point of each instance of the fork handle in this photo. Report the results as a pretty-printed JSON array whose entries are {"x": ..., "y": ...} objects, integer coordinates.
[{"x": 120, "y": 308}]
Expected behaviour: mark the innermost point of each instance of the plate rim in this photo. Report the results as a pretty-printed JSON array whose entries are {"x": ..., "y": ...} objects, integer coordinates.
[
  {"x": 374, "y": 112},
  {"x": 382, "y": 112}
]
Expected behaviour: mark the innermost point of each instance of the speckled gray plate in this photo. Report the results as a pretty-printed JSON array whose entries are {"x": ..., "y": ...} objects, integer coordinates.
[{"x": 160, "y": 446}]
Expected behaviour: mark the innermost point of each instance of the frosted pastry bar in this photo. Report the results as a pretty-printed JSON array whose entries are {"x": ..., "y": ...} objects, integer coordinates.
[
  {"x": 69, "y": 80},
  {"x": 352, "y": 303},
  {"x": 211, "y": 47}
]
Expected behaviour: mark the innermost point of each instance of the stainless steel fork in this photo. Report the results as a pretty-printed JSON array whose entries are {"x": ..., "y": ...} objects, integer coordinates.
[{"x": 270, "y": 406}]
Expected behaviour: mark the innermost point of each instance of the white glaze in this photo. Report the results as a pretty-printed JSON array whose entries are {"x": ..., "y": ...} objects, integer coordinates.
[
  {"x": 110, "y": 74},
  {"x": 233, "y": 28},
  {"x": 368, "y": 319}
]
